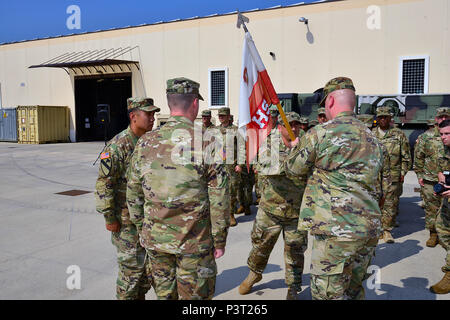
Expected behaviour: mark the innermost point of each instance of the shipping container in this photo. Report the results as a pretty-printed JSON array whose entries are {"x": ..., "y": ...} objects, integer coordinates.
[
  {"x": 8, "y": 125},
  {"x": 42, "y": 124}
]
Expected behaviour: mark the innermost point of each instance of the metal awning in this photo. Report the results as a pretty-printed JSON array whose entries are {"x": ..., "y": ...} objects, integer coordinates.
[{"x": 91, "y": 61}]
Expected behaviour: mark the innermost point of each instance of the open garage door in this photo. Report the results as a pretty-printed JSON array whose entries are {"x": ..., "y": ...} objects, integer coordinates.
[{"x": 113, "y": 90}]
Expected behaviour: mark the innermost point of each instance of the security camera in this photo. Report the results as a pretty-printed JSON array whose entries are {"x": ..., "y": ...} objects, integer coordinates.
[{"x": 304, "y": 20}]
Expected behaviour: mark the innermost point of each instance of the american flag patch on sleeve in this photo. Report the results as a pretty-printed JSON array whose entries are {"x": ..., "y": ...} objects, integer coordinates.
[{"x": 104, "y": 155}]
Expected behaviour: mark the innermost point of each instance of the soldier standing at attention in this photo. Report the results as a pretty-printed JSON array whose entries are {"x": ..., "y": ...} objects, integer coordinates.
[
  {"x": 397, "y": 146},
  {"x": 304, "y": 124},
  {"x": 134, "y": 278},
  {"x": 431, "y": 124},
  {"x": 428, "y": 148},
  {"x": 341, "y": 162},
  {"x": 321, "y": 116},
  {"x": 277, "y": 212},
  {"x": 229, "y": 130},
  {"x": 386, "y": 189},
  {"x": 206, "y": 120},
  {"x": 178, "y": 203},
  {"x": 443, "y": 219}
]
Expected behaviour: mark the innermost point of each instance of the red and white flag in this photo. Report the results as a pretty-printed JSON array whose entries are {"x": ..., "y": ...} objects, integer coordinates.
[{"x": 256, "y": 96}]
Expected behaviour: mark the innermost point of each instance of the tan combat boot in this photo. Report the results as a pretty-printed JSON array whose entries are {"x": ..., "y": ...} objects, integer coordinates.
[
  {"x": 233, "y": 221},
  {"x": 443, "y": 286},
  {"x": 387, "y": 237},
  {"x": 240, "y": 210},
  {"x": 292, "y": 293},
  {"x": 247, "y": 284},
  {"x": 434, "y": 240}
]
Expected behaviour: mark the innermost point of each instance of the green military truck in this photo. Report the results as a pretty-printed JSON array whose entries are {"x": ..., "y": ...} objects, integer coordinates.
[{"x": 411, "y": 112}]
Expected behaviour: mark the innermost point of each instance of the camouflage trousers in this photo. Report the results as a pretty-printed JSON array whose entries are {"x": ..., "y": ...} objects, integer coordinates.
[
  {"x": 234, "y": 185},
  {"x": 185, "y": 277},
  {"x": 264, "y": 235},
  {"x": 339, "y": 266},
  {"x": 134, "y": 278},
  {"x": 432, "y": 204},
  {"x": 391, "y": 207},
  {"x": 245, "y": 191},
  {"x": 443, "y": 230},
  {"x": 257, "y": 187}
]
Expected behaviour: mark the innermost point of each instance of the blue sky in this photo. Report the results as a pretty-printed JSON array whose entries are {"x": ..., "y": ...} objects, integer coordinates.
[{"x": 29, "y": 19}]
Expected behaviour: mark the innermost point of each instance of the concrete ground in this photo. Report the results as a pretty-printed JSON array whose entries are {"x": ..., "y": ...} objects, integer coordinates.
[{"x": 43, "y": 233}]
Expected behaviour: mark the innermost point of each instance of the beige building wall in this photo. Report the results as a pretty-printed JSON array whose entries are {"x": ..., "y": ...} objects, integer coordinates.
[{"x": 337, "y": 41}]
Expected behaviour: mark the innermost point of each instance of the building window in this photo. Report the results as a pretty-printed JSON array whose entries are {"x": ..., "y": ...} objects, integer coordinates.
[
  {"x": 414, "y": 75},
  {"x": 218, "y": 88}
]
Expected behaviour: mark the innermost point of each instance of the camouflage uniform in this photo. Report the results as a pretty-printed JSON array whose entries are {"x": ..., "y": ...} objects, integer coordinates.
[
  {"x": 207, "y": 113},
  {"x": 429, "y": 146},
  {"x": 397, "y": 146},
  {"x": 178, "y": 204},
  {"x": 134, "y": 278},
  {"x": 234, "y": 177},
  {"x": 342, "y": 163},
  {"x": 443, "y": 219},
  {"x": 386, "y": 189},
  {"x": 278, "y": 212},
  {"x": 245, "y": 190},
  {"x": 419, "y": 138}
]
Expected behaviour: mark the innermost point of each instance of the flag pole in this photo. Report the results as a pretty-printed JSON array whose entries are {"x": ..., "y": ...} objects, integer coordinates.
[{"x": 241, "y": 21}]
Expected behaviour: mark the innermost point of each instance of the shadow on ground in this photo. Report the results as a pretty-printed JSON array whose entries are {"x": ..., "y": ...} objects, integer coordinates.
[
  {"x": 411, "y": 217},
  {"x": 413, "y": 289},
  {"x": 386, "y": 254}
]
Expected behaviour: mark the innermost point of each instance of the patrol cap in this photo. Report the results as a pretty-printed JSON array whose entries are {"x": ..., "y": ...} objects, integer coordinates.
[
  {"x": 384, "y": 111},
  {"x": 321, "y": 111},
  {"x": 367, "y": 119},
  {"x": 338, "y": 83},
  {"x": 444, "y": 111},
  {"x": 144, "y": 104},
  {"x": 314, "y": 123},
  {"x": 206, "y": 113},
  {"x": 431, "y": 122},
  {"x": 290, "y": 116},
  {"x": 225, "y": 111},
  {"x": 273, "y": 110},
  {"x": 182, "y": 86}
]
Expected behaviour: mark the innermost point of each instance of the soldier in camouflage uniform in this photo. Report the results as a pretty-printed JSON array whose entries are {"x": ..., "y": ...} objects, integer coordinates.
[
  {"x": 321, "y": 115},
  {"x": 443, "y": 219},
  {"x": 134, "y": 278},
  {"x": 397, "y": 146},
  {"x": 277, "y": 212},
  {"x": 429, "y": 146},
  {"x": 229, "y": 130},
  {"x": 386, "y": 189},
  {"x": 274, "y": 123},
  {"x": 431, "y": 124},
  {"x": 206, "y": 120},
  {"x": 341, "y": 162},
  {"x": 178, "y": 202},
  {"x": 304, "y": 124}
]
